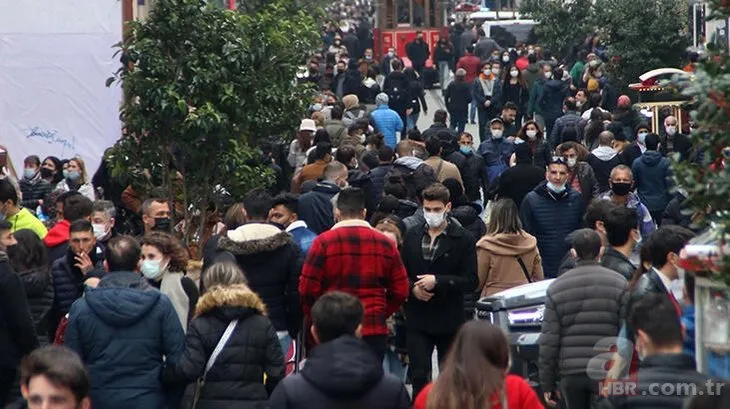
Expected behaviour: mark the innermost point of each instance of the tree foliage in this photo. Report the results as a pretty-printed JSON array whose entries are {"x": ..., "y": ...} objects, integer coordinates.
[
  {"x": 641, "y": 35},
  {"x": 707, "y": 182},
  {"x": 562, "y": 25},
  {"x": 202, "y": 85}
]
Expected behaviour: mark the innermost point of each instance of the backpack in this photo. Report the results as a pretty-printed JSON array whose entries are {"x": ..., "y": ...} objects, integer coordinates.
[
  {"x": 574, "y": 125},
  {"x": 397, "y": 92},
  {"x": 414, "y": 180}
]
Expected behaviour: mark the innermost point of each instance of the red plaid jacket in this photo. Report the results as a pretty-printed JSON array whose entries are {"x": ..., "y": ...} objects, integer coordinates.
[{"x": 359, "y": 260}]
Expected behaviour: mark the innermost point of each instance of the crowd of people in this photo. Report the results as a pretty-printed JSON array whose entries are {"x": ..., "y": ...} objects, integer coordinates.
[{"x": 374, "y": 254}]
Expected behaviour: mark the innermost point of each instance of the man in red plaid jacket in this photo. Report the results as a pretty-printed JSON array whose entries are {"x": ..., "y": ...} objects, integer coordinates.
[{"x": 359, "y": 260}]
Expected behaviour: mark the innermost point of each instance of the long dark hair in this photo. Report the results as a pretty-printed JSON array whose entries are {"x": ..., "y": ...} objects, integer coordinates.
[
  {"x": 29, "y": 253},
  {"x": 59, "y": 169},
  {"x": 474, "y": 369}
]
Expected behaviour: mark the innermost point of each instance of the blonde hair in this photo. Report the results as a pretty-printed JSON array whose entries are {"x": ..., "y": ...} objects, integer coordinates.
[
  {"x": 223, "y": 274},
  {"x": 82, "y": 166}
]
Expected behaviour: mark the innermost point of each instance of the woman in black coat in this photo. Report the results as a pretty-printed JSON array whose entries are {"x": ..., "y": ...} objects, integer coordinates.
[
  {"x": 30, "y": 262},
  {"x": 236, "y": 379}
]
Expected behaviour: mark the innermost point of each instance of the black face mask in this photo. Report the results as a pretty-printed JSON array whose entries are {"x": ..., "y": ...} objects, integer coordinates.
[
  {"x": 46, "y": 173},
  {"x": 621, "y": 189},
  {"x": 162, "y": 224}
]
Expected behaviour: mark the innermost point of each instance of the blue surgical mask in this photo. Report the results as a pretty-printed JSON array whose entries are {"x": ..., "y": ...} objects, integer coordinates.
[
  {"x": 518, "y": 141},
  {"x": 73, "y": 175},
  {"x": 556, "y": 188},
  {"x": 465, "y": 149},
  {"x": 65, "y": 174},
  {"x": 151, "y": 269},
  {"x": 642, "y": 137},
  {"x": 29, "y": 173}
]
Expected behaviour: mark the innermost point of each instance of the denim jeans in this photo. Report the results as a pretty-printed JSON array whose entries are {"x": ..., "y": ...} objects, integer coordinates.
[
  {"x": 412, "y": 120},
  {"x": 393, "y": 365},
  {"x": 473, "y": 112},
  {"x": 284, "y": 341}
]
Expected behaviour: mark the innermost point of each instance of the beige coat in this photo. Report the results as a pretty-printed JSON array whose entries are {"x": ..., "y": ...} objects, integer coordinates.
[
  {"x": 448, "y": 170},
  {"x": 497, "y": 263}
]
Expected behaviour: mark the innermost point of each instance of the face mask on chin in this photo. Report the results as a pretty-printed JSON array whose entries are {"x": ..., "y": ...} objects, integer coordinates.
[{"x": 556, "y": 188}]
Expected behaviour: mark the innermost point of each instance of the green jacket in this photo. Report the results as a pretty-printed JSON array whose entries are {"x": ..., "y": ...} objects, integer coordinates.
[
  {"x": 533, "y": 107},
  {"x": 576, "y": 73}
]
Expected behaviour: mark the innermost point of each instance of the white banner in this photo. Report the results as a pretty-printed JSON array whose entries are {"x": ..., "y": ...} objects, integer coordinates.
[{"x": 55, "y": 57}]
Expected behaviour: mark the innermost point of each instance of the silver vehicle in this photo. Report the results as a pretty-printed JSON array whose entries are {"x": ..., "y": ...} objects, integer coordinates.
[{"x": 519, "y": 311}]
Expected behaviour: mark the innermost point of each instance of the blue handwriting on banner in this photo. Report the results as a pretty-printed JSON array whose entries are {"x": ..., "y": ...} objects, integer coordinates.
[{"x": 50, "y": 136}]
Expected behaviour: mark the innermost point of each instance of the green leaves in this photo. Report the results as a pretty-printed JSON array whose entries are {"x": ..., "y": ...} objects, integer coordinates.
[{"x": 202, "y": 85}]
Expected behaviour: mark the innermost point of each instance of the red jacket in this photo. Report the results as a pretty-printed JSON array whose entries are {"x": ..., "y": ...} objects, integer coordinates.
[
  {"x": 58, "y": 234},
  {"x": 471, "y": 64},
  {"x": 519, "y": 395},
  {"x": 359, "y": 260}
]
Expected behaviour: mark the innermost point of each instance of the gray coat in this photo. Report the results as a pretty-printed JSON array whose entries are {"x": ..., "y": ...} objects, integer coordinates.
[{"x": 582, "y": 308}]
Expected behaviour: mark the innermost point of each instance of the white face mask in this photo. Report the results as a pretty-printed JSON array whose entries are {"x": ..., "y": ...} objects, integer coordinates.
[
  {"x": 487, "y": 72},
  {"x": 671, "y": 130},
  {"x": 496, "y": 71},
  {"x": 532, "y": 134},
  {"x": 548, "y": 74},
  {"x": 362, "y": 138},
  {"x": 434, "y": 219},
  {"x": 572, "y": 162},
  {"x": 514, "y": 73},
  {"x": 505, "y": 58},
  {"x": 99, "y": 231},
  {"x": 497, "y": 134},
  {"x": 391, "y": 54}
]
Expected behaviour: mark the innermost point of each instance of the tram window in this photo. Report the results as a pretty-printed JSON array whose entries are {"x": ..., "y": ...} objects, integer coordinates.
[
  {"x": 402, "y": 10},
  {"x": 419, "y": 12},
  {"x": 432, "y": 13}
]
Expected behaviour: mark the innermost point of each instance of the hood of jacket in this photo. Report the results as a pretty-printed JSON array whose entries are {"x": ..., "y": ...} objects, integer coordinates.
[
  {"x": 555, "y": 85},
  {"x": 357, "y": 178},
  {"x": 651, "y": 158},
  {"x": 254, "y": 238},
  {"x": 344, "y": 368},
  {"x": 604, "y": 153},
  {"x": 58, "y": 234},
  {"x": 326, "y": 187},
  {"x": 533, "y": 68},
  {"x": 411, "y": 162},
  {"x": 231, "y": 302},
  {"x": 466, "y": 213},
  {"x": 35, "y": 281},
  {"x": 505, "y": 244},
  {"x": 122, "y": 298}
]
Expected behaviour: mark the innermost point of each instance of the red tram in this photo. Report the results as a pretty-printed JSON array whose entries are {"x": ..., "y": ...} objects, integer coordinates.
[{"x": 396, "y": 23}]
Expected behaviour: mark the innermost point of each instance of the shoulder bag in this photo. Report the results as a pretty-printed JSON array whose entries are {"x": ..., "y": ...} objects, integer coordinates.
[{"x": 218, "y": 348}]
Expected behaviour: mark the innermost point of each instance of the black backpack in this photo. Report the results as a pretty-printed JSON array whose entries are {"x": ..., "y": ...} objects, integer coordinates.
[
  {"x": 397, "y": 92},
  {"x": 415, "y": 181}
]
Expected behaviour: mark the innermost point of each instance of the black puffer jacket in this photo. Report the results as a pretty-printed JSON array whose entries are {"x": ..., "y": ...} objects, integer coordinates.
[
  {"x": 341, "y": 373},
  {"x": 468, "y": 215},
  {"x": 272, "y": 263},
  {"x": 38, "y": 284},
  {"x": 236, "y": 378},
  {"x": 655, "y": 373},
  {"x": 472, "y": 176},
  {"x": 582, "y": 308},
  {"x": 34, "y": 190}
]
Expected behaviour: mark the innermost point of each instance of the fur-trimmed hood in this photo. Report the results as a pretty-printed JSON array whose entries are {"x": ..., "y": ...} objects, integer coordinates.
[
  {"x": 234, "y": 297},
  {"x": 255, "y": 238}
]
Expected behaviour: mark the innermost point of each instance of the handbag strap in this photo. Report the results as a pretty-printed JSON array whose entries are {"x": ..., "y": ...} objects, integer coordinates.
[
  {"x": 524, "y": 269},
  {"x": 219, "y": 347}
]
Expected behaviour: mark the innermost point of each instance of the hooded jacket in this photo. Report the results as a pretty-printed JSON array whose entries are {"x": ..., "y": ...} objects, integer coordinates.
[
  {"x": 550, "y": 217},
  {"x": 341, "y": 373},
  {"x": 516, "y": 182},
  {"x": 414, "y": 172},
  {"x": 651, "y": 174},
  {"x": 315, "y": 206},
  {"x": 531, "y": 74},
  {"x": 646, "y": 223},
  {"x": 38, "y": 284},
  {"x": 125, "y": 331},
  {"x": 271, "y": 262},
  {"x": 56, "y": 240},
  {"x": 468, "y": 216},
  {"x": 472, "y": 175},
  {"x": 498, "y": 265},
  {"x": 236, "y": 378},
  {"x": 603, "y": 159}
]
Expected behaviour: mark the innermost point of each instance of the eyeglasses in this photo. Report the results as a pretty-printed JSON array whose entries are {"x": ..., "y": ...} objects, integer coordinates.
[{"x": 559, "y": 160}]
